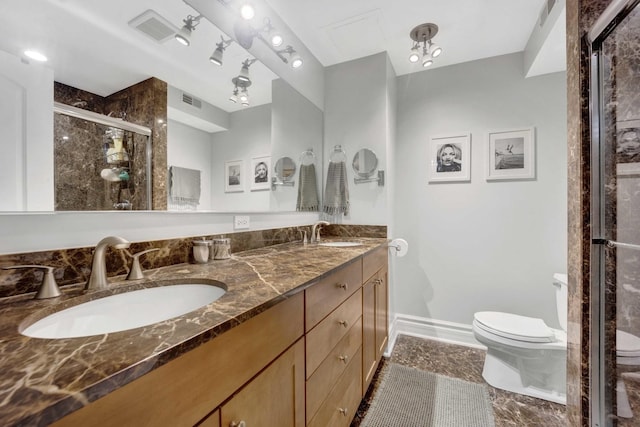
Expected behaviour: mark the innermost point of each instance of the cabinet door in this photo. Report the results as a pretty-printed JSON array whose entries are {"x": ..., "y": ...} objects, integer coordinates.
[
  {"x": 274, "y": 398},
  {"x": 382, "y": 312},
  {"x": 369, "y": 347}
]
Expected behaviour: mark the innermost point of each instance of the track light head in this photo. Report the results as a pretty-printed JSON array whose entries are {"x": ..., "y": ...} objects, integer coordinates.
[
  {"x": 184, "y": 35},
  {"x": 216, "y": 57},
  {"x": 247, "y": 11}
]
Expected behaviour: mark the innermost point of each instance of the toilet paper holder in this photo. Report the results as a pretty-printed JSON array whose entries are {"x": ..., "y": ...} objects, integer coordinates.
[{"x": 400, "y": 245}]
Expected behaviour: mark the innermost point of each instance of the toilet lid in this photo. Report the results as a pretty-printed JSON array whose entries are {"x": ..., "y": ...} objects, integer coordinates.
[
  {"x": 515, "y": 327},
  {"x": 627, "y": 345}
]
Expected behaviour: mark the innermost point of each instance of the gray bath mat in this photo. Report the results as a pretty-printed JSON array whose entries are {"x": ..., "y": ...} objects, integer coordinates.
[{"x": 408, "y": 397}]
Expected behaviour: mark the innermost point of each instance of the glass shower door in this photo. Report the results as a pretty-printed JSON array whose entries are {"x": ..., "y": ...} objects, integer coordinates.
[{"x": 616, "y": 215}]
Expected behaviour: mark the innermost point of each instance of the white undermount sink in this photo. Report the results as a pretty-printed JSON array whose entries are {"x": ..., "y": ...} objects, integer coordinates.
[
  {"x": 340, "y": 244},
  {"x": 125, "y": 311}
]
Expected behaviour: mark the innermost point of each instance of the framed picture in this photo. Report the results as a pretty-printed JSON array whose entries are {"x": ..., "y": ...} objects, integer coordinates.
[
  {"x": 450, "y": 158},
  {"x": 260, "y": 173},
  {"x": 511, "y": 155},
  {"x": 628, "y": 147},
  {"x": 233, "y": 179}
]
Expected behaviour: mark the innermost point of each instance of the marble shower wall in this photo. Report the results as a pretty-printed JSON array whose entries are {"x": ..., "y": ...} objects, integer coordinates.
[
  {"x": 73, "y": 266},
  {"x": 145, "y": 104}
]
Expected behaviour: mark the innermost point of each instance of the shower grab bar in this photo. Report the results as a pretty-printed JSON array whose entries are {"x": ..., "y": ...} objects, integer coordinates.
[{"x": 614, "y": 244}]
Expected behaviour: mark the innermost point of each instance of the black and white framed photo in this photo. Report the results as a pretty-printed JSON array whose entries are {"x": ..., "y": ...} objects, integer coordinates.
[
  {"x": 511, "y": 154},
  {"x": 450, "y": 158},
  {"x": 628, "y": 147},
  {"x": 260, "y": 173},
  {"x": 233, "y": 179}
]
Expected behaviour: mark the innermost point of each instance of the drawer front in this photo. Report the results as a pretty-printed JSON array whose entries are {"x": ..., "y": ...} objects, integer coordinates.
[
  {"x": 373, "y": 262},
  {"x": 323, "y": 297},
  {"x": 341, "y": 405},
  {"x": 325, "y": 377},
  {"x": 324, "y": 337}
]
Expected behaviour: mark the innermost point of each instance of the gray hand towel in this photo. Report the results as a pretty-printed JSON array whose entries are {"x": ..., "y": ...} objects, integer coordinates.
[
  {"x": 336, "y": 191},
  {"x": 307, "y": 189},
  {"x": 184, "y": 186}
]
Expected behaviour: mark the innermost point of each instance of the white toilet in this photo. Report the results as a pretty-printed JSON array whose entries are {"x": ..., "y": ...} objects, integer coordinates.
[{"x": 526, "y": 356}]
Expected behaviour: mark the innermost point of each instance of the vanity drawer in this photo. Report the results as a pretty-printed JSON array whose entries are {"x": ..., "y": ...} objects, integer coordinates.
[
  {"x": 373, "y": 262},
  {"x": 340, "y": 406},
  {"x": 324, "y": 378},
  {"x": 329, "y": 292},
  {"x": 324, "y": 337}
]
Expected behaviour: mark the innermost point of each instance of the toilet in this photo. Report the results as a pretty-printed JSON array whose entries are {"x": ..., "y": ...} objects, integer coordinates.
[{"x": 526, "y": 356}]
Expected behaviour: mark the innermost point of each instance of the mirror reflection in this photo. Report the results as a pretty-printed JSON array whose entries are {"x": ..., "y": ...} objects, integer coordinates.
[
  {"x": 119, "y": 70},
  {"x": 285, "y": 168},
  {"x": 365, "y": 163}
]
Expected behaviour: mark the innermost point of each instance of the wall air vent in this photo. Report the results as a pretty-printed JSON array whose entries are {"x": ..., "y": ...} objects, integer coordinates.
[
  {"x": 194, "y": 102},
  {"x": 546, "y": 10},
  {"x": 154, "y": 26}
]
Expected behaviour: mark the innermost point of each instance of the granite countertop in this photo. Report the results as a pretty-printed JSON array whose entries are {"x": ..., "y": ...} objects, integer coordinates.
[{"x": 43, "y": 380}]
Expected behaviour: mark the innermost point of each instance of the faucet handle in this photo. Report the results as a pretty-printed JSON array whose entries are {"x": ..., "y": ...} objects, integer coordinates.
[
  {"x": 136, "y": 271},
  {"x": 48, "y": 287}
]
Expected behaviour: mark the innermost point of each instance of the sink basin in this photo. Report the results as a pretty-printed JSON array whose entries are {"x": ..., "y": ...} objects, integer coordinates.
[
  {"x": 340, "y": 244},
  {"x": 124, "y": 311}
]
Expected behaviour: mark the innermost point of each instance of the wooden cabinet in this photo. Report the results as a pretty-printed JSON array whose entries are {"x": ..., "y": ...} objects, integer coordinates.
[
  {"x": 273, "y": 398},
  {"x": 375, "y": 321},
  {"x": 306, "y": 361}
]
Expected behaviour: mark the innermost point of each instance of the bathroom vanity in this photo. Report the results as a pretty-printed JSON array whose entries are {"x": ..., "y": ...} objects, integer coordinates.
[{"x": 294, "y": 341}]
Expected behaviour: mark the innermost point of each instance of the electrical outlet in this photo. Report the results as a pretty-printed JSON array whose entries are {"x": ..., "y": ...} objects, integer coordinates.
[{"x": 241, "y": 222}]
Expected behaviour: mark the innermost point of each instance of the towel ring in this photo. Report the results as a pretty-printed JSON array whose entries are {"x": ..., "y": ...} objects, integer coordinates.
[
  {"x": 307, "y": 157},
  {"x": 338, "y": 155}
]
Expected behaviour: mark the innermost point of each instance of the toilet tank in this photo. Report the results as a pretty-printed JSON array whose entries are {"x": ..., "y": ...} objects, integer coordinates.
[{"x": 562, "y": 298}]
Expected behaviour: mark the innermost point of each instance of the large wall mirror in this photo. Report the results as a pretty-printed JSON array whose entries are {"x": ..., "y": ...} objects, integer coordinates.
[{"x": 119, "y": 61}]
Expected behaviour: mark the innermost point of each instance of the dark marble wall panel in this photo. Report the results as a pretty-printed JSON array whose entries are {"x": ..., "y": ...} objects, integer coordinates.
[{"x": 74, "y": 265}]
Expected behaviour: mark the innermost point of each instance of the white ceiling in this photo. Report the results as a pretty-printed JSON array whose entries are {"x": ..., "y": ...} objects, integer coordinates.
[{"x": 92, "y": 47}]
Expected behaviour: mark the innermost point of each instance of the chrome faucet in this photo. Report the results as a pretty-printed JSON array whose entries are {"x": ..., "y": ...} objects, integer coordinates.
[
  {"x": 98, "y": 277},
  {"x": 315, "y": 236}
]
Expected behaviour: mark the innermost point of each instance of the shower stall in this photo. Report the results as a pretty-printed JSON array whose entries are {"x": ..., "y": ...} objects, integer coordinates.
[
  {"x": 614, "y": 42},
  {"x": 100, "y": 162}
]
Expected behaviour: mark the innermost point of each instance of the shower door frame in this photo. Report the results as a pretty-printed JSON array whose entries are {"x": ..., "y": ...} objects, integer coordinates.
[{"x": 601, "y": 402}]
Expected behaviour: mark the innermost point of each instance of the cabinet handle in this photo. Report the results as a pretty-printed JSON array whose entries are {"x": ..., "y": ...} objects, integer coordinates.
[
  {"x": 343, "y": 323},
  {"x": 344, "y": 358},
  {"x": 378, "y": 281},
  {"x": 238, "y": 424},
  {"x": 342, "y": 286},
  {"x": 343, "y": 411}
]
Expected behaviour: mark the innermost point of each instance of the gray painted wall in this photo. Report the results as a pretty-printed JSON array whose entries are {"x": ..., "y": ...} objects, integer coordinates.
[{"x": 480, "y": 245}]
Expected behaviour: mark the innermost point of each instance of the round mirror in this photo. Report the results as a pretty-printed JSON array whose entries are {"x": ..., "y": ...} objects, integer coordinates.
[
  {"x": 365, "y": 163},
  {"x": 285, "y": 168}
]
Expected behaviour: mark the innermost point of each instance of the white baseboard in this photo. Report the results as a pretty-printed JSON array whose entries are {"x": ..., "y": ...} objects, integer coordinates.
[{"x": 438, "y": 330}]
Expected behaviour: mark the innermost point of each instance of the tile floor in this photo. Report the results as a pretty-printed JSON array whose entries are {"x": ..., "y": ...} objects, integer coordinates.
[{"x": 510, "y": 409}]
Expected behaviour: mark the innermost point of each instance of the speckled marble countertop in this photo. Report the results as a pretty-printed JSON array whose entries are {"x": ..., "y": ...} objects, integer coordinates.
[{"x": 42, "y": 380}]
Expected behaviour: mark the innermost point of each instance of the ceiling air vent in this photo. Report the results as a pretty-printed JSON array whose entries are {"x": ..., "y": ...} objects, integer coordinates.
[
  {"x": 194, "y": 102},
  {"x": 151, "y": 24}
]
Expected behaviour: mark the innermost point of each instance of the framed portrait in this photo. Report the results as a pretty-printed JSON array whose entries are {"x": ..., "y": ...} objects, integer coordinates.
[
  {"x": 233, "y": 176},
  {"x": 260, "y": 173},
  {"x": 628, "y": 148},
  {"x": 450, "y": 158},
  {"x": 511, "y": 154}
]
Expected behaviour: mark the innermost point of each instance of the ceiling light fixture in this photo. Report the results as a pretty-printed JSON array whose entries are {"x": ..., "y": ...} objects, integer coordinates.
[
  {"x": 244, "y": 71},
  {"x": 273, "y": 35},
  {"x": 247, "y": 11},
  {"x": 190, "y": 24},
  {"x": 35, "y": 55},
  {"x": 422, "y": 35},
  {"x": 216, "y": 56},
  {"x": 294, "y": 59},
  {"x": 240, "y": 92}
]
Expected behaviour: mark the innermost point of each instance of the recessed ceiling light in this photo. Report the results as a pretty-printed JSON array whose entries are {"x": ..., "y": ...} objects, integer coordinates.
[{"x": 35, "y": 55}]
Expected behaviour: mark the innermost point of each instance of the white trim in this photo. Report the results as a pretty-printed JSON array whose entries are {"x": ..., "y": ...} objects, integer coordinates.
[{"x": 437, "y": 330}]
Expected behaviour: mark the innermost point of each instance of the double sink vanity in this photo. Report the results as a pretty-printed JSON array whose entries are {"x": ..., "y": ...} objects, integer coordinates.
[{"x": 292, "y": 337}]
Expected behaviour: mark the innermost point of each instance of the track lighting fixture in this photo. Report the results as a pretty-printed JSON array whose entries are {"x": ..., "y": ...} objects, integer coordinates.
[
  {"x": 294, "y": 59},
  {"x": 422, "y": 35},
  {"x": 240, "y": 91},
  {"x": 216, "y": 56},
  {"x": 247, "y": 11},
  {"x": 273, "y": 35},
  {"x": 244, "y": 70},
  {"x": 190, "y": 23}
]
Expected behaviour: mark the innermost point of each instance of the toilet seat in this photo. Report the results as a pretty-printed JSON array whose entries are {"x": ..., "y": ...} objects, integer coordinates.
[{"x": 515, "y": 327}]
